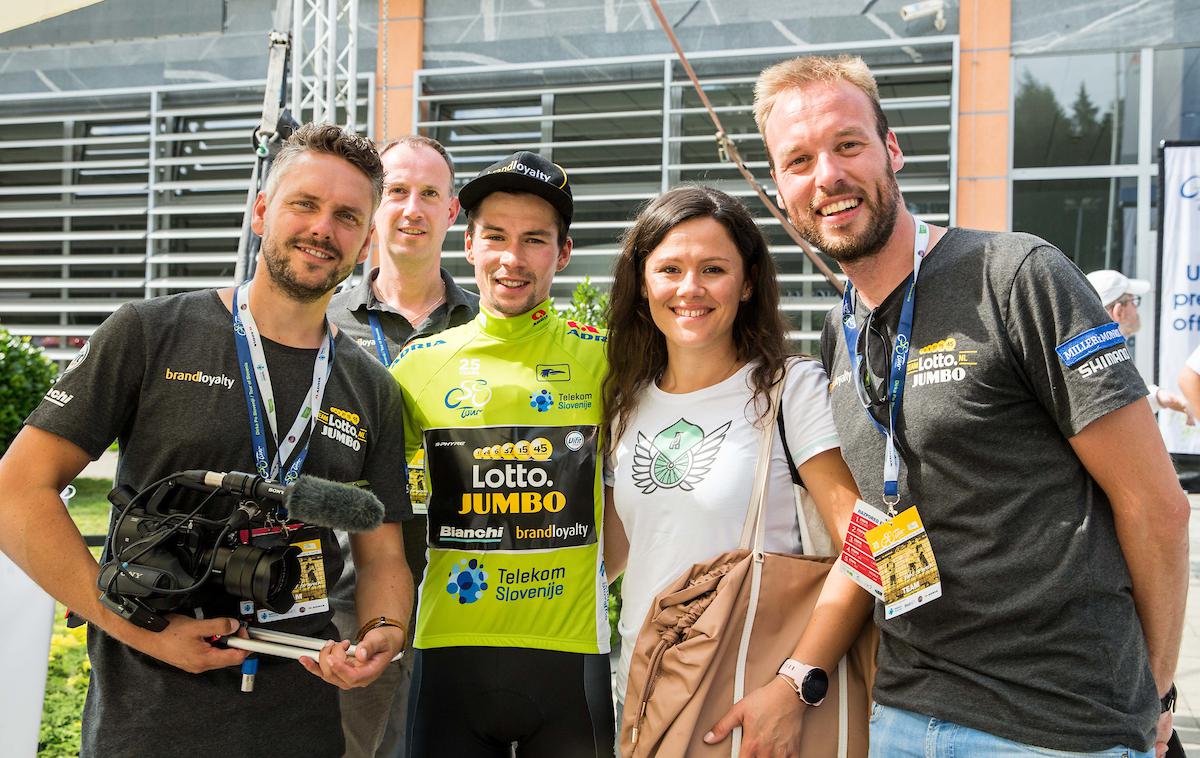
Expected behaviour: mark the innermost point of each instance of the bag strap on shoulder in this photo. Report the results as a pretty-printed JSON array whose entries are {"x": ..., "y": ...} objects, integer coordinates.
[
  {"x": 753, "y": 530},
  {"x": 787, "y": 451}
]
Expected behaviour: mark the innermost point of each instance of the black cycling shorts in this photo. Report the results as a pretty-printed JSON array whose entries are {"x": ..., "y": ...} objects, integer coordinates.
[{"x": 473, "y": 702}]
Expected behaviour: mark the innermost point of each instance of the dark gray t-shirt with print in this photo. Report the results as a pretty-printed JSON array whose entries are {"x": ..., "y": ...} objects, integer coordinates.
[
  {"x": 161, "y": 376},
  {"x": 1036, "y": 638}
]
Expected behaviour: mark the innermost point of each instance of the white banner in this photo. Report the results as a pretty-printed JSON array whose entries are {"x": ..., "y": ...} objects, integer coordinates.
[
  {"x": 1179, "y": 295},
  {"x": 28, "y": 615}
]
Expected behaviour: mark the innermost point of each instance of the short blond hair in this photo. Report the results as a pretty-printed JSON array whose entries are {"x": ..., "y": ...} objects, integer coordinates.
[
  {"x": 420, "y": 140},
  {"x": 810, "y": 69}
]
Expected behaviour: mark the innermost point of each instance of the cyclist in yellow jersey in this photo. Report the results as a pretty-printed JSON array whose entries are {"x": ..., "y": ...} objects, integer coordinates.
[{"x": 503, "y": 423}]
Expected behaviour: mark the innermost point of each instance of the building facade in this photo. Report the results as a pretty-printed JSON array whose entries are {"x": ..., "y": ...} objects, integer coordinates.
[{"x": 125, "y": 161}]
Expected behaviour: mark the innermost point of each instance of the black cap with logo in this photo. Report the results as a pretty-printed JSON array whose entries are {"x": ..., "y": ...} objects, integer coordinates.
[{"x": 522, "y": 172}]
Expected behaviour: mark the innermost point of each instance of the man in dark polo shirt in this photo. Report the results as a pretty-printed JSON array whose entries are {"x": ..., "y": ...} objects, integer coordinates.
[{"x": 408, "y": 296}]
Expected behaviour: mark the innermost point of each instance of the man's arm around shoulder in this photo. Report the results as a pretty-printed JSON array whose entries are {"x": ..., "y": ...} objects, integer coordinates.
[{"x": 37, "y": 533}]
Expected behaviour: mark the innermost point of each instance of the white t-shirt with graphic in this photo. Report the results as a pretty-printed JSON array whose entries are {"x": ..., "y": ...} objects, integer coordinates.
[{"x": 682, "y": 474}]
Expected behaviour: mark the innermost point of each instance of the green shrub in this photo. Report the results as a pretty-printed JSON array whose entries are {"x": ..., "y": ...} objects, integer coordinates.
[
  {"x": 66, "y": 686},
  {"x": 588, "y": 304},
  {"x": 25, "y": 375}
]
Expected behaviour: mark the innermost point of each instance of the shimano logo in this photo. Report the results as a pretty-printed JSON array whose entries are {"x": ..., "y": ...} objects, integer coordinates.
[{"x": 1101, "y": 362}]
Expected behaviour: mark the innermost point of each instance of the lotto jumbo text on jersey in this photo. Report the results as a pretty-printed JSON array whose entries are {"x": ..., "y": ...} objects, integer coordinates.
[{"x": 502, "y": 425}]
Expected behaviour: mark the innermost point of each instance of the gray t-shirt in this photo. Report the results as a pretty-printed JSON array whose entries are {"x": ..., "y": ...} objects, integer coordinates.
[
  {"x": 1036, "y": 638},
  {"x": 161, "y": 376},
  {"x": 349, "y": 310}
]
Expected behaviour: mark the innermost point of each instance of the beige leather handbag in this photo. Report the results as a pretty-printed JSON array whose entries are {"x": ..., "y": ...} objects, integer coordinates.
[{"x": 722, "y": 629}]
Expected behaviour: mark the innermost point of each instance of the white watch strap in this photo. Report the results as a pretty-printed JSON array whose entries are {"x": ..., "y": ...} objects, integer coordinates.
[{"x": 795, "y": 671}]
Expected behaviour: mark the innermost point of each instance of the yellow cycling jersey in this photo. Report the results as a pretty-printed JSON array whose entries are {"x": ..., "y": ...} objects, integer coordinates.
[{"x": 502, "y": 425}]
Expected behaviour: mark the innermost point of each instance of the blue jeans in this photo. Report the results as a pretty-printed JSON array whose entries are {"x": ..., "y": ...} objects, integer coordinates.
[{"x": 897, "y": 733}]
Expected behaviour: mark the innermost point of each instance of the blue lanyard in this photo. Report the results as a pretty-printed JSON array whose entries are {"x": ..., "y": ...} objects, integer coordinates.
[
  {"x": 256, "y": 382},
  {"x": 899, "y": 367},
  {"x": 381, "y": 348}
]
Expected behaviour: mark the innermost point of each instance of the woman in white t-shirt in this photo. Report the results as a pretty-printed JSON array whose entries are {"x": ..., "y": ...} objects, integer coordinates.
[{"x": 695, "y": 343}]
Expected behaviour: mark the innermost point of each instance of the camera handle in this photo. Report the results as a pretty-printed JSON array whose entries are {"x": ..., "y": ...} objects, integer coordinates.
[
  {"x": 134, "y": 611},
  {"x": 280, "y": 644}
]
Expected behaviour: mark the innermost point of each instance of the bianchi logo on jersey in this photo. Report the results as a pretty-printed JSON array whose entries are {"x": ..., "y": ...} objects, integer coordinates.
[{"x": 679, "y": 456}]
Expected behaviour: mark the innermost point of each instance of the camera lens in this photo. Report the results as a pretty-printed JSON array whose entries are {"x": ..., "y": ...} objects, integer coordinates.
[{"x": 265, "y": 576}]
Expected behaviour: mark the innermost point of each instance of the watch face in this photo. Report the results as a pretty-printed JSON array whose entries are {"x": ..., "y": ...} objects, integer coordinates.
[{"x": 814, "y": 686}]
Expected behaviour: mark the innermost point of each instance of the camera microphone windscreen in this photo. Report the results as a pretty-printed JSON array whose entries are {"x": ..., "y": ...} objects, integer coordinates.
[{"x": 334, "y": 505}]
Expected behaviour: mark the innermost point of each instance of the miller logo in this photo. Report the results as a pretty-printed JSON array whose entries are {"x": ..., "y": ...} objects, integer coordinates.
[{"x": 679, "y": 456}]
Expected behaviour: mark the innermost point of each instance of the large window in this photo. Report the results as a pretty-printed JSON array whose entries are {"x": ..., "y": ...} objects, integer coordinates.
[
  {"x": 1086, "y": 128},
  {"x": 1177, "y": 94},
  {"x": 108, "y": 196},
  {"x": 1078, "y": 110},
  {"x": 1091, "y": 220}
]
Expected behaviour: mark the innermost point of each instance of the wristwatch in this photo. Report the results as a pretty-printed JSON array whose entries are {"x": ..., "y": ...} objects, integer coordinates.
[
  {"x": 809, "y": 682},
  {"x": 1168, "y": 700}
]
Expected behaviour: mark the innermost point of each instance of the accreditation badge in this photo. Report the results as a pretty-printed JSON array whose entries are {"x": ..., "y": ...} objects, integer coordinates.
[
  {"x": 856, "y": 560},
  {"x": 418, "y": 488},
  {"x": 311, "y": 593},
  {"x": 907, "y": 569}
]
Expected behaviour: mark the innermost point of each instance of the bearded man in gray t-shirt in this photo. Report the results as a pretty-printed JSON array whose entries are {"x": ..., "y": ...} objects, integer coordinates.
[
  {"x": 1023, "y": 439},
  {"x": 168, "y": 379}
]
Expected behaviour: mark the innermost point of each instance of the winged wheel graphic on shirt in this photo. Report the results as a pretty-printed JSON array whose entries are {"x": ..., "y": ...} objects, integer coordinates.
[{"x": 679, "y": 456}]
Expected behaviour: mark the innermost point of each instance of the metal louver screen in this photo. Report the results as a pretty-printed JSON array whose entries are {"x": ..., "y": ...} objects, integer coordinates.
[
  {"x": 628, "y": 128},
  {"x": 109, "y": 196}
]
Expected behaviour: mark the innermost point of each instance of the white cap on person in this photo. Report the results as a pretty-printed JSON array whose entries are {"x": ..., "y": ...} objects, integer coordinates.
[{"x": 1112, "y": 285}]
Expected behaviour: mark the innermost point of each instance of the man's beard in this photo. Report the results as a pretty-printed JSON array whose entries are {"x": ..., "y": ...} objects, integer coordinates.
[
  {"x": 882, "y": 221},
  {"x": 279, "y": 266}
]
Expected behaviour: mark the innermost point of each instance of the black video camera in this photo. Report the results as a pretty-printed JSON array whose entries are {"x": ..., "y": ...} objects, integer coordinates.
[{"x": 161, "y": 558}]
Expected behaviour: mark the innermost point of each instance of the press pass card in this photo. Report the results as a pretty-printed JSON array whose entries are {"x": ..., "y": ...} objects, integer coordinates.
[
  {"x": 904, "y": 557},
  {"x": 856, "y": 559},
  {"x": 311, "y": 593}
]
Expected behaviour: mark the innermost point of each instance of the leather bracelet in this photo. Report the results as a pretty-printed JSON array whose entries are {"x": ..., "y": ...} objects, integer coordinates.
[{"x": 376, "y": 623}]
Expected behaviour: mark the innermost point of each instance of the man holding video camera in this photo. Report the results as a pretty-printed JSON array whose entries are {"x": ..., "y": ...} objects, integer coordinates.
[{"x": 183, "y": 383}]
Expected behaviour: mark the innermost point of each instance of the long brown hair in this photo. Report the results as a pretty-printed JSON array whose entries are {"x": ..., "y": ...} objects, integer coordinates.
[{"x": 637, "y": 350}]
